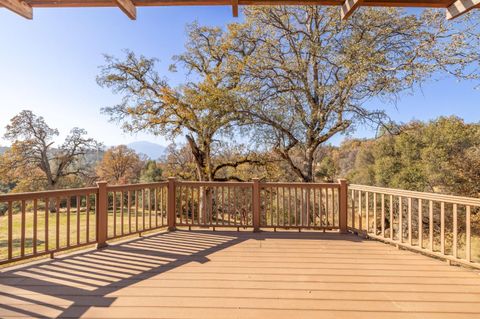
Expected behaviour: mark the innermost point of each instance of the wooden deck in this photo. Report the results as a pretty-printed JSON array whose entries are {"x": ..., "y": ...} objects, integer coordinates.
[{"x": 205, "y": 274}]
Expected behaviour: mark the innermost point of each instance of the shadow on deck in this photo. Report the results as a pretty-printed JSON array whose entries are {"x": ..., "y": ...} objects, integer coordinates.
[{"x": 205, "y": 274}]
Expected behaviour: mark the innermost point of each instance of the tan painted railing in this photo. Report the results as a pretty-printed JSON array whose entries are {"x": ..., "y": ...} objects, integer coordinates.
[
  {"x": 300, "y": 205},
  {"x": 136, "y": 208},
  {"x": 439, "y": 225},
  {"x": 40, "y": 223},
  {"x": 214, "y": 204}
]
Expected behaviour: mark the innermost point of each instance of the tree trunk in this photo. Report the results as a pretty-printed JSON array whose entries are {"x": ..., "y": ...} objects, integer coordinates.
[
  {"x": 52, "y": 207},
  {"x": 204, "y": 173}
]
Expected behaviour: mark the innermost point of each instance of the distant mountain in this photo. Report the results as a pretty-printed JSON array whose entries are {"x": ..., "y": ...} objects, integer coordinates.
[
  {"x": 3, "y": 149},
  {"x": 152, "y": 150}
]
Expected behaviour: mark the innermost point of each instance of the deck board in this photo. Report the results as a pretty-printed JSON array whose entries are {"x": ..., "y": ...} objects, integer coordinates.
[{"x": 204, "y": 274}]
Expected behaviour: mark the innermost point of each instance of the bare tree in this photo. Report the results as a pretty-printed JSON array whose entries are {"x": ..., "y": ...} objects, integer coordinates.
[{"x": 33, "y": 155}]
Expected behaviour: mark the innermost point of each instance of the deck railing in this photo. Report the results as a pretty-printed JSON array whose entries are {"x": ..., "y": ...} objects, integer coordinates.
[
  {"x": 300, "y": 205},
  {"x": 136, "y": 208},
  {"x": 435, "y": 224},
  {"x": 40, "y": 223}
]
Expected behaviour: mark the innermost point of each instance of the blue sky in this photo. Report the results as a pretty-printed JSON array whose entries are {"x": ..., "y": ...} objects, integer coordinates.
[{"x": 49, "y": 66}]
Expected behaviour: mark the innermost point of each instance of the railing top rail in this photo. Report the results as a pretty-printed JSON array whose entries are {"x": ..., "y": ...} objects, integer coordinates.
[
  {"x": 299, "y": 184},
  {"x": 262, "y": 184},
  {"x": 198, "y": 184},
  {"x": 47, "y": 194},
  {"x": 469, "y": 201},
  {"x": 127, "y": 187}
]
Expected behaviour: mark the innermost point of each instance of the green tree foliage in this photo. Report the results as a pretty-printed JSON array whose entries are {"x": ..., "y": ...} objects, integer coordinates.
[
  {"x": 151, "y": 172},
  {"x": 437, "y": 156}
]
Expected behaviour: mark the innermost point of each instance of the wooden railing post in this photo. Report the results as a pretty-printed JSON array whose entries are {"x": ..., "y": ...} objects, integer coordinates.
[
  {"x": 102, "y": 215},
  {"x": 171, "y": 210},
  {"x": 343, "y": 197},
  {"x": 256, "y": 204}
]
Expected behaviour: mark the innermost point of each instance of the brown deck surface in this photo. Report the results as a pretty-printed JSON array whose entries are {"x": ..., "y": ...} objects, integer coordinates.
[{"x": 204, "y": 274}]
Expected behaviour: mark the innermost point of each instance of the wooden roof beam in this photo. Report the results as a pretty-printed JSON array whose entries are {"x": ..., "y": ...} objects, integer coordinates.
[
  {"x": 235, "y": 8},
  {"x": 348, "y": 7},
  {"x": 18, "y": 6},
  {"x": 460, "y": 7},
  {"x": 128, "y": 8}
]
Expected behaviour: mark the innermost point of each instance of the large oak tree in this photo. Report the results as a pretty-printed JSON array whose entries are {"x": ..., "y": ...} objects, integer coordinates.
[
  {"x": 34, "y": 162},
  {"x": 200, "y": 109},
  {"x": 310, "y": 76}
]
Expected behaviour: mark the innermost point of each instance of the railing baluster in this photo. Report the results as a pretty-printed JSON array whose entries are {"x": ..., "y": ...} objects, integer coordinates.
[
  {"x": 136, "y": 210},
  {"x": 430, "y": 224},
  {"x": 353, "y": 209},
  {"x": 180, "y": 204},
  {"x": 129, "y": 211},
  {"x": 22, "y": 230},
  {"x": 87, "y": 212},
  {"x": 320, "y": 206},
  {"x": 190, "y": 212},
  {"x": 78, "y": 202},
  {"x": 410, "y": 221},
  {"x": 468, "y": 239},
  {"x": 192, "y": 205},
  {"x": 57, "y": 225},
  {"x": 367, "y": 212},
  {"x": 223, "y": 205},
  {"x": 420, "y": 223},
  {"x": 198, "y": 205},
  {"x": 217, "y": 205},
  {"x": 35, "y": 225},
  {"x": 187, "y": 205},
  {"x": 295, "y": 206},
  {"x": 455, "y": 232},
  {"x": 143, "y": 209},
  {"x": 391, "y": 217},
  {"x": 155, "y": 205},
  {"x": 360, "y": 222},
  {"x": 47, "y": 203},
  {"x": 289, "y": 202},
  {"x": 210, "y": 204},
  {"x": 400, "y": 219},
  {"x": 162, "y": 201},
  {"x": 442, "y": 227},
  {"x": 375, "y": 213},
  {"x": 164, "y": 206},
  {"x": 150, "y": 208},
  {"x": 114, "y": 208},
  {"x": 307, "y": 199},
  {"x": 10, "y": 230},
  {"x": 229, "y": 206},
  {"x": 272, "y": 217},
  {"x": 314, "y": 215},
  {"x": 383, "y": 215},
  {"x": 122, "y": 202},
  {"x": 68, "y": 220}
]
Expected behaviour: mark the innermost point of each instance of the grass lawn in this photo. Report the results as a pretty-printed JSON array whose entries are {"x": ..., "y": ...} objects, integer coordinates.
[{"x": 75, "y": 233}]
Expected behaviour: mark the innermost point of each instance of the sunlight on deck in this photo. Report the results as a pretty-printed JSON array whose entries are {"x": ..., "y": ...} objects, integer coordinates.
[{"x": 204, "y": 274}]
